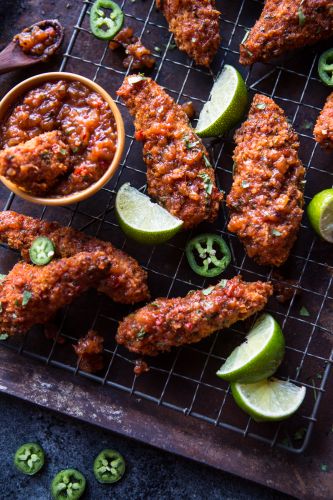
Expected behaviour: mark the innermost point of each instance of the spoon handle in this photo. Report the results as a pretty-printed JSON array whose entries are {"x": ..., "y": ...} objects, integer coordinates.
[{"x": 12, "y": 58}]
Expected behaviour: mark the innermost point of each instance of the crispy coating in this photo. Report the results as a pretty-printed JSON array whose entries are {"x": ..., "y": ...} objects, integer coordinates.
[
  {"x": 31, "y": 295},
  {"x": 126, "y": 281},
  {"x": 89, "y": 350},
  {"x": 285, "y": 26},
  {"x": 266, "y": 197},
  {"x": 179, "y": 174},
  {"x": 195, "y": 26},
  {"x": 38, "y": 164},
  {"x": 323, "y": 131},
  {"x": 184, "y": 320},
  {"x": 138, "y": 56}
]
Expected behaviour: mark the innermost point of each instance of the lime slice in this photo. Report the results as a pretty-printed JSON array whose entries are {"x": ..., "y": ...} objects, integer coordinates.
[
  {"x": 259, "y": 356},
  {"x": 320, "y": 213},
  {"x": 270, "y": 399},
  {"x": 226, "y": 106},
  {"x": 143, "y": 220}
]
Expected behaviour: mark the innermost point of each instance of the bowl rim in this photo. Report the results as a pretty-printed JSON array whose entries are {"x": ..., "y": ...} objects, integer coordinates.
[{"x": 21, "y": 88}]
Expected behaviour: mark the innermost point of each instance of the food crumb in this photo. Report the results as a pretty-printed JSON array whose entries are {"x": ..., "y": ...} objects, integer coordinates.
[
  {"x": 138, "y": 56},
  {"x": 89, "y": 350},
  {"x": 140, "y": 367}
]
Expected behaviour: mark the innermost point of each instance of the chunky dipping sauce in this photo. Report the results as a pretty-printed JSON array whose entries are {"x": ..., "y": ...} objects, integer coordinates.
[
  {"x": 82, "y": 116},
  {"x": 38, "y": 40}
]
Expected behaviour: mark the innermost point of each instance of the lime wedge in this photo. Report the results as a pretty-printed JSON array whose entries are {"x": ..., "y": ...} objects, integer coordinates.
[
  {"x": 270, "y": 399},
  {"x": 320, "y": 213},
  {"x": 226, "y": 106},
  {"x": 143, "y": 220},
  {"x": 259, "y": 356}
]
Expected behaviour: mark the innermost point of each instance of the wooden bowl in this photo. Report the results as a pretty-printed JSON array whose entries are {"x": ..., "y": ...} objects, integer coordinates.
[{"x": 21, "y": 89}]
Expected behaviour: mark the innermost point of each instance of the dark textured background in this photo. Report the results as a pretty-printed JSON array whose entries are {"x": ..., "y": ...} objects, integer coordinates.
[{"x": 68, "y": 443}]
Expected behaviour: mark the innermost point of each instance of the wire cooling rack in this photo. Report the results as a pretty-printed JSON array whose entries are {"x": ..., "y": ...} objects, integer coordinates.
[{"x": 185, "y": 379}]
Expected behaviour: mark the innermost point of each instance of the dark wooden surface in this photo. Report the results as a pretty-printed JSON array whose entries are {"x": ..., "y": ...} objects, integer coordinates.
[{"x": 301, "y": 476}]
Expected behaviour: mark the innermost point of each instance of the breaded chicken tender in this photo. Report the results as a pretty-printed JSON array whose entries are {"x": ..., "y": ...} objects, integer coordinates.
[
  {"x": 126, "y": 281},
  {"x": 37, "y": 165},
  {"x": 285, "y": 26},
  {"x": 184, "y": 320},
  {"x": 266, "y": 197},
  {"x": 195, "y": 26},
  {"x": 32, "y": 295},
  {"x": 179, "y": 174},
  {"x": 323, "y": 131}
]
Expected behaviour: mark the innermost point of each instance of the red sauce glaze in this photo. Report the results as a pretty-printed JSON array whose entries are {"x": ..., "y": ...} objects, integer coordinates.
[{"x": 83, "y": 116}]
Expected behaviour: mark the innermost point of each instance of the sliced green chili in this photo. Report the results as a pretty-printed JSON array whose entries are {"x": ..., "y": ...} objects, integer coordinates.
[
  {"x": 325, "y": 67},
  {"x": 41, "y": 251},
  {"x": 103, "y": 25},
  {"x": 109, "y": 466},
  {"x": 29, "y": 458},
  {"x": 208, "y": 255},
  {"x": 68, "y": 484}
]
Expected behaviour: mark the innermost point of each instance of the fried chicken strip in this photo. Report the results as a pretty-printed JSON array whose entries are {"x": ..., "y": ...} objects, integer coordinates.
[
  {"x": 195, "y": 26},
  {"x": 179, "y": 174},
  {"x": 31, "y": 295},
  {"x": 323, "y": 131},
  {"x": 184, "y": 320},
  {"x": 38, "y": 164},
  {"x": 266, "y": 197},
  {"x": 285, "y": 26},
  {"x": 126, "y": 281}
]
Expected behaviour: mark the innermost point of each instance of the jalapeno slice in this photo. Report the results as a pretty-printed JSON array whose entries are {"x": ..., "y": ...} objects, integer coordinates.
[
  {"x": 208, "y": 255},
  {"x": 68, "y": 484},
  {"x": 325, "y": 67},
  {"x": 109, "y": 466},
  {"x": 29, "y": 458},
  {"x": 41, "y": 251},
  {"x": 103, "y": 25}
]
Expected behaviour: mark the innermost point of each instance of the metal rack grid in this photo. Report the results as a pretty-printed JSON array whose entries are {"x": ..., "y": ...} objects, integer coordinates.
[{"x": 185, "y": 379}]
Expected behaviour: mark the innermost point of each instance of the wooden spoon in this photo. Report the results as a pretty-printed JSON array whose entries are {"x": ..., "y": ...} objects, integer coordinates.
[{"x": 13, "y": 57}]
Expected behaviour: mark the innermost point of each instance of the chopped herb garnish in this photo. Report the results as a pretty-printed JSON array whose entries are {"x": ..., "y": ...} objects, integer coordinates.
[
  {"x": 4, "y": 336},
  {"x": 223, "y": 283},
  {"x": 17, "y": 302},
  {"x": 26, "y": 297},
  {"x": 249, "y": 53},
  {"x": 157, "y": 49},
  {"x": 140, "y": 335},
  {"x": 135, "y": 79},
  {"x": 172, "y": 46},
  {"x": 303, "y": 311},
  {"x": 261, "y": 105},
  {"x": 63, "y": 151},
  {"x": 275, "y": 232},
  {"x": 190, "y": 145},
  {"x": 45, "y": 155},
  {"x": 208, "y": 290},
  {"x": 247, "y": 32},
  {"x": 307, "y": 125},
  {"x": 207, "y": 162},
  {"x": 245, "y": 184},
  {"x": 2, "y": 277},
  {"x": 75, "y": 150},
  {"x": 301, "y": 17},
  {"x": 208, "y": 185},
  {"x": 155, "y": 304},
  {"x": 324, "y": 467},
  {"x": 299, "y": 434}
]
